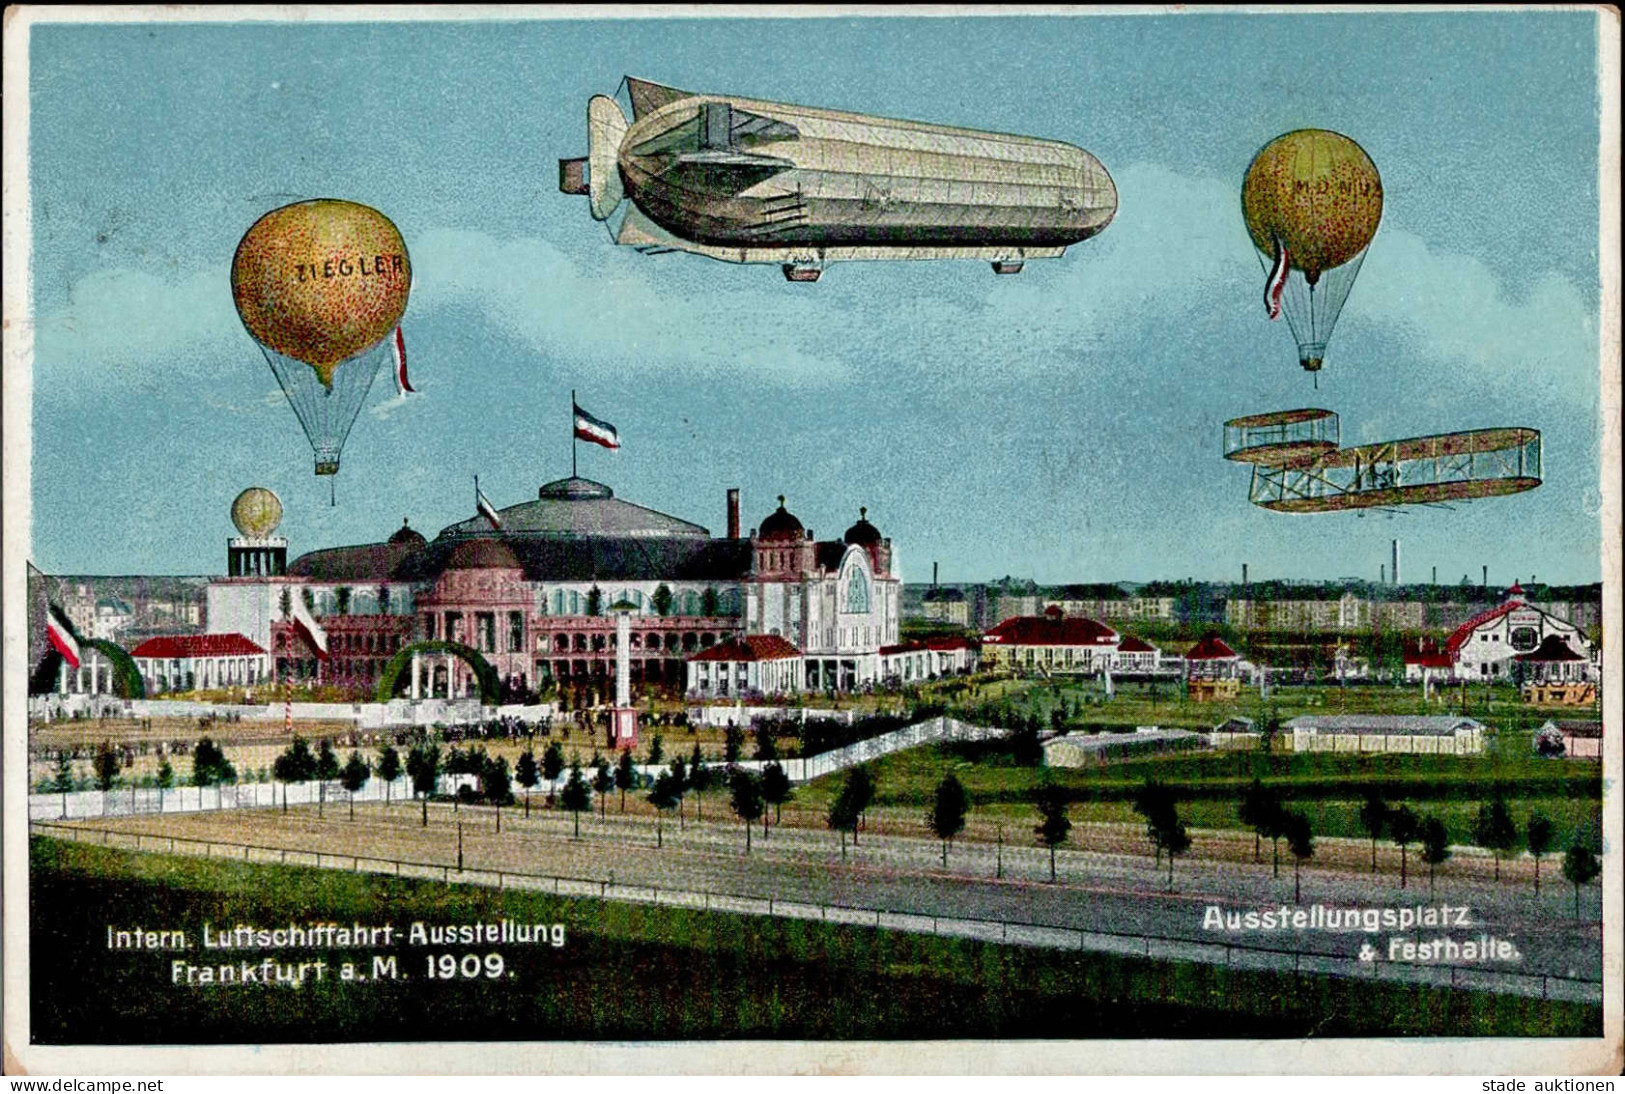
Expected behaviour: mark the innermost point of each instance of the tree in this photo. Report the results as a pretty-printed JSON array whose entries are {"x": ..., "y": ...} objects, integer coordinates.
[
  {"x": 767, "y": 741},
  {"x": 680, "y": 784},
  {"x": 64, "y": 773},
  {"x": 552, "y": 763},
  {"x": 699, "y": 781},
  {"x": 1403, "y": 829},
  {"x": 1155, "y": 802},
  {"x": 1494, "y": 831},
  {"x": 577, "y": 796},
  {"x": 1435, "y": 846},
  {"x": 1025, "y": 747},
  {"x": 603, "y": 781},
  {"x": 733, "y": 742},
  {"x": 354, "y": 776},
  {"x": 842, "y": 817},
  {"x": 1172, "y": 837},
  {"x": 946, "y": 817},
  {"x": 294, "y": 765},
  {"x": 1580, "y": 865},
  {"x": 389, "y": 768},
  {"x": 595, "y": 601},
  {"x": 626, "y": 775},
  {"x": 662, "y": 599},
  {"x": 210, "y": 766},
  {"x": 663, "y": 797},
  {"x": 862, "y": 787},
  {"x": 776, "y": 789},
  {"x": 1300, "y": 840},
  {"x": 657, "y": 750},
  {"x": 1538, "y": 838},
  {"x": 1054, "y": 824},
  {"x": 1374, "y": 818},
  {"x": 710, "y": 603},
  {"x": 165, "y": 779},
  {"x": 106, "y": 766},
  {"x": 526, "y": 774},
  {"x": 327, "y": 769},
  {"x": 423, "y": 765},
  {"x": 498, "y": 785},
  {"x": 341, "y": 600},
  {"x": 745, "y": 795},
  {"x": 1254, "y": 806}
]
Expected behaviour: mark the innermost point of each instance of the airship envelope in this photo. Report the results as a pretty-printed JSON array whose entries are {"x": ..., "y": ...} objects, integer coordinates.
[{"x": 742, "y": 180}]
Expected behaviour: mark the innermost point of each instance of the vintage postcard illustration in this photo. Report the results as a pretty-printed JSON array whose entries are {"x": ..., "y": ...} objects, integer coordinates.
[{"x": 849, "y": 540}]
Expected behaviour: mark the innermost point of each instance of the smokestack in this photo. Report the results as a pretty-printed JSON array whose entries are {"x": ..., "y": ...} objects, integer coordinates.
[
  {"x": 1396, "y": 562},
  {"x": 933, "y": 575},
  {"x": 1486, "y": 577},
  {"x": 1382, "y": 573},
  {"x": 1244, "y": 573},
  {"x": 1435, "y": 575},
  {"x": 733, "y": 513}
]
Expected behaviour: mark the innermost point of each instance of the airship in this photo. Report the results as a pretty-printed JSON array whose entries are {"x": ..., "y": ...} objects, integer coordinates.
[{"x": 744, "y": 180}]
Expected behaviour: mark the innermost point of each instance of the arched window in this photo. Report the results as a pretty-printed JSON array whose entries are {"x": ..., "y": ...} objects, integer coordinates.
[{"x": 857, "y": 592}]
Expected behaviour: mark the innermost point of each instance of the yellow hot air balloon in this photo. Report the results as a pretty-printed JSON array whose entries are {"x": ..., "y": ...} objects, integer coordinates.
[
  {"x": 257, "y": 512},
  {"x": 1312, "y": 200},
  {"x": 321, "y": 286}
]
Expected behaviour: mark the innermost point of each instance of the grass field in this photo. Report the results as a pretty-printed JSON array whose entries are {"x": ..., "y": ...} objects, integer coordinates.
[{"x": 649, "y": 972}]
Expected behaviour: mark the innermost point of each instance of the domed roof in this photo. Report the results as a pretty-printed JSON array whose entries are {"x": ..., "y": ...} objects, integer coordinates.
[
  {"x": 781, "y": 524},
  {"x": 863, "y": 534},
  {"x": 407, "y": 535},
  {"x": 577, "y": 508},
  {"x": 482, "y": 554}
]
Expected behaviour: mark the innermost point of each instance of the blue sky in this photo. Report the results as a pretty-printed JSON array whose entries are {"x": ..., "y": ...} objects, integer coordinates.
[{"x": 1062, "y": 424}]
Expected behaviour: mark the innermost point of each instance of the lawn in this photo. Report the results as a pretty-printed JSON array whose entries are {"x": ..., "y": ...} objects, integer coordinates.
[{"x": 648, "y": 972}]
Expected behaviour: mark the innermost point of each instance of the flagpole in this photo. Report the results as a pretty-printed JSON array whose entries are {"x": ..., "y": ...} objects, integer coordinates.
[{"x": 572, "y": 433}]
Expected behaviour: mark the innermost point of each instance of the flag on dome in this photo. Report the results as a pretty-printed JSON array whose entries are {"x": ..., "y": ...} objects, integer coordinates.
[
  {"x": 307, "y": 625},
  {"x": 595, "y": 430},
  {"x": 487, "y": 510},
  {"x": 60, "y": 632}
]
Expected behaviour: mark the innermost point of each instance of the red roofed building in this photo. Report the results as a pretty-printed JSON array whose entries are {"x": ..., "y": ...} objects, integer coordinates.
[
  {"x": 1486, "y": 646},
  {"x": 1212, "y": 670},
  {"x": 757, "y": 664},
  {"x": 187, "y": 662},
  {"x": 1137, "y": 655},
  {"x": 1051, "y": 643}
]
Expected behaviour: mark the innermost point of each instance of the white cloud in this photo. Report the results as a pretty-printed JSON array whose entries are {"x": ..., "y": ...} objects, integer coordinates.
[
  {"x": 119, "y": 323},
  {"x": 1176, "y": 253},
  {"x": 532, "y": 290}
]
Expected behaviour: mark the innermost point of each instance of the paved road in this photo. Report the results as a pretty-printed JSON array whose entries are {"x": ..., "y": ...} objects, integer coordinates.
[{"x": 1098, "y": 891}]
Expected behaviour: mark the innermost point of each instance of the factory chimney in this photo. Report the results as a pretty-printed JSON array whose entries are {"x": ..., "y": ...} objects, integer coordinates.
[
  {"x": 933, "y": 575},
  {"x": 1382, "y": 573},
  {"x": 733, "y": 513},
  {"x": 1486, "y": 577},
  {"x": 1396, "y": 562},
  {"x": 1244, "y": 573}
]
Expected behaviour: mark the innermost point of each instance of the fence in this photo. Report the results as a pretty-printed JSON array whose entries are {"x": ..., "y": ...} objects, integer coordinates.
[
  {"x": 1231, "y": 955},
  {"x": 129, "y": 801},
  {"x": 397, "y": 712}
]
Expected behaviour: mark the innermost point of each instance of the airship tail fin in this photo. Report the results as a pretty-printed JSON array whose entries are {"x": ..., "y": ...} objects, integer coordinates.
[
  {"x": 648, "y": 97},
  {"x": 606, "y": 125}
]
